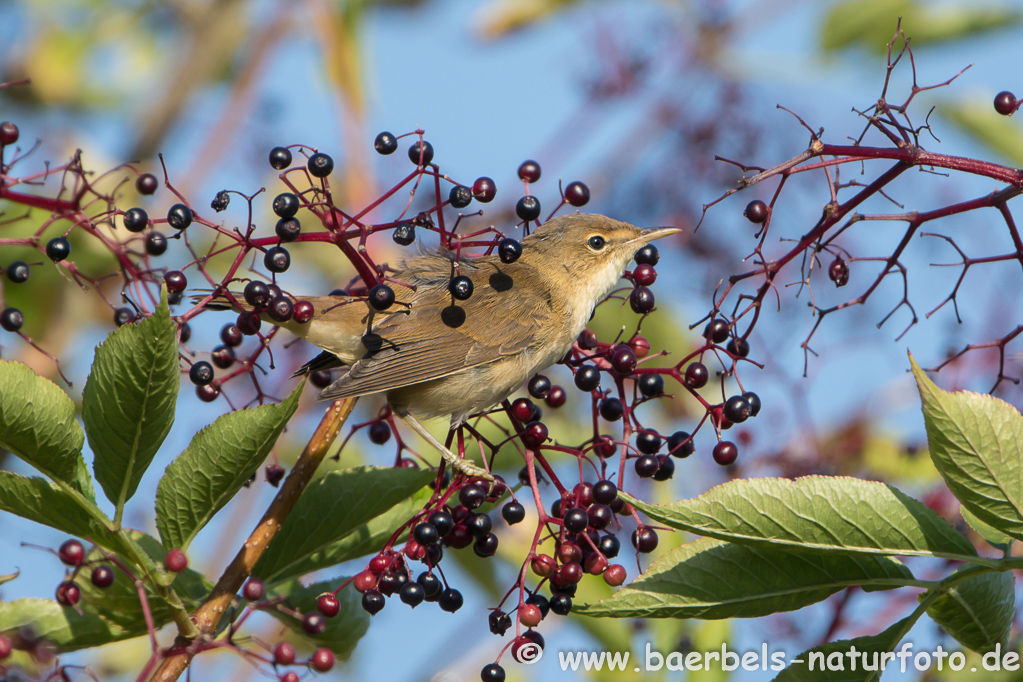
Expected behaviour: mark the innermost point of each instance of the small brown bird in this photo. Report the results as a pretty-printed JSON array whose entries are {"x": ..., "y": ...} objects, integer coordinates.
[{"x": 433, "y": 355}]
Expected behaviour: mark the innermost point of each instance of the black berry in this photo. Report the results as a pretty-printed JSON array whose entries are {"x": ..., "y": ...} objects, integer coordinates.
[
  {"x": 179, "y": 216},
  {"x": 385, "y": 143},
  {"x": 58, "y": 248},
  {"x": 492, "y": 672},
  {"x": 561, "y": 604},
  {"x": 249, "y": 323},
  {"x": 201, "y": 373},
  {"x": 651, "y": 385},
  {"x": 472, "y": 496},
  {"x": 460, "y": 287},
  {"x": 513, "y": 512},
  {"x": 725, "y": 453},
  {"x": 697, "y": 375},
  {"x": 404, "y": 234},
  {"x": 221, "y": 201},
  {"x": 575, "y": 520},
  {"x": 421, "y": 153},
  {"x": 648, "y": 255},
  {"x": 156, "y": 244},
  {"x": 280, "y": 158},
  {"x": 256, "y": 294},
  {"x": 641, "y": 300},
  {"x": 677, "y": 445},
  {"x": 425, "y": 533},
  {"x": 314, "y": 623},
  {"x": 442, "y": 521},
  {"x": 412, "y": 594},
  {"x": 756, "y": 211},
  {"x": 280, "y": 309},
  {"x": 623, "y": 360},
  {"x": 486, "y": 545},
  {"x": 754, "y": 402},
  {"x": 528, "y": 208},
  {"x": 135, "y": 220},
  {"x": 716, "y": 331},
  {"x": 373, "y": 602},
  {"x": 648, "y": 442},
  {"x": 665, "y": 468},
  {"x": 599, "y": 516},
  {"x": 509, "y": 250},
  {"x": 605, "y": 492},
  {"x": 18, "y": 271},
  {"x": 320, "y": 165},
  {"x": 288, "y": 229},
  {"x": 587, "y": 378},
  {"x": 611, "y": 409},
  {"x": 738, "y": 347},
  {"x": 431, "y": 585},
  {"x": 381, "y": 297},
  {"x": 1005, "y": 103},
  {"x": 609, "y": 546},
  {"x": 175, "y": 281},
  {"x": 379, "y": 433},
  {"x": 11, "y": 319},
  {"x": 737, "y": 409},
  {"x": 644, "y": 540},
  {"x": 646, "y": 466},
  {"x": 286, "y": 204},
  {"x": 450, "y": 600},
  {"x": 123, "y": 316},
  {"x": 577, "y": 193},
  {"x": 277, "y": 259},
  {"x": 460, "y": 196}
]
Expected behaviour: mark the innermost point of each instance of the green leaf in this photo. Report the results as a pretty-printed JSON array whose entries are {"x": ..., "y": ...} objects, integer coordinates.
[
  {"x": 215, "y": 466},
  {"x": 128, "y": 402},
  {"x": 978, "y": 611},
  {"x": 819, "y": 513},
  {"x": 38, "y": 500},
  {"x": 343, "y": 630},
  {"x": 332, "y": 507},
  {"x": 712, "y": 579},
  {"x": 832, "y": 661},
  {"x": 993, "y": 536},
  {"x": 976, "y": 442},
  {"x": 37, "y": 423},
  {"x": 366, "y": 539},
  {"x": 62, "y": 626}
]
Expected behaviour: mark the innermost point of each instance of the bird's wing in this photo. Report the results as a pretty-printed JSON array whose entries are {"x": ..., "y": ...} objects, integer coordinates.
[{"x": 440, "y": 336}]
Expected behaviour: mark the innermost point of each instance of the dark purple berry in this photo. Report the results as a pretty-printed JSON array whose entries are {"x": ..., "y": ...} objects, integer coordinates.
[
  {"x": 102, "y": 576},
  {"x": 648, "y": 255},
  {"x": 460, "y": 196},
  {"x": 528, "y": 208},
  {"x": 697, "y": 375},
  {"x": 381, "y": 297},
  {"x": 18, "y": 271},
  {"x": 450, "y": 600},
  {"x": 756, "y": 211},
  {"x": 207, "y": 393},
  {"x": 838, "y": 271},
  {"x": 280, "y": 158},
  {"x": 9, "y": 133},
  {"x": 492, "y": 672},
  {"x": 11, "y": 319},
  {"x": 303, "y": 312},
  {"x": 431, "y": 584},
  {"x": 665, "y": 468},
  {"x": 385, "y": 144},
  {"x": 156, "y": 244},
  {"x": 485, "y": 545},
  {"x": 1005, "y": 103},
  {"x": 611, "y": 409},
  {"x": 484, "y": 190},
  {"x": 644, "y": 275},
  {"x": 175, "y": 281},
  {"x": 646, "y": 466},
  {"x": 286, "y": 205},
  {"x": 599, "y": 516},
  {"x": 421, "y": 153},
  {"x": 737, "y": 409},
  {"x": 201, "y": 373},
  {"x": 738, "y": 347},
  {"x": 230, "y": 335},
  {"x": 320, "y": 165},
  {"x": 677, "y": 445},
  {"x": 280, "y": 309},
  {"x": 372, "y": 602},
  {"x": 412, "y": 594},
  {"x": 609, "y": 546},
  {"x": 146, "y": 184},
  {"x": 425, "y": 533},
  {"x": 186, "y": 332},
  {"x": 557, "y": 396},
  {"x": 641, "y": 300},
  {"x": 68, "y": 593},
  {"x": 754, "y": 402},
  {"x": 379, "y": 433},
  {"x": 716, "y": 331},
  {"x": 648, "y": 442},
  {"x": 725, "y": 453},
  {"x": 577, "y": 193},
  {"x": 249, "y": 323},
  {"x": 513, "y": 512},
  {"x": 651, "y": 385},
  {"x": 499, "y": 622},
  {"x": 123, "y": 316},
  {"x": 529, "y": 171},
  {"x": 58, "y": 248},
  {"x": 604, "y": 492},
  {"x": 135, "y": 220},
  {"x": 472, "y": 495},
  {"x": 256, "y": 294},
  {"x": 575, "y": 520},
  {"x": 288, "y": 229},
  {"x": 644, "y": 540},
  {"x": 314, "y": 623},
  {"x": 509, "y": 250},
  {"x": 179, "y": 216},
  {"x": 623, "y": 360},
  {"x": 535, "y": 434},
  {"x": 460, "y": 287},
  {"x": 277, "y": 259},
  {"x": 404, "y": 234},
  {"x": 442, "y": 521},
  {"x": 587, "y": 378},
  {"x": 71, "y": 553}
]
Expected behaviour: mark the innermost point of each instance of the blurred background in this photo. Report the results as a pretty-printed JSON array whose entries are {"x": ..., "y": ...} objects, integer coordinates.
[{"x": 633, "y": 98}]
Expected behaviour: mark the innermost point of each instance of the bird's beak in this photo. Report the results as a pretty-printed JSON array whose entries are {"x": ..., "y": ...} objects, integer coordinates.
[{"x": 651, "y": 233}]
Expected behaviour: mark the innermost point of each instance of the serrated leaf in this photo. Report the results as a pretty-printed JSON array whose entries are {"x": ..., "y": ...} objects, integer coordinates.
[
  {"x": 38, "y": 500},
  {"x": 215, "y": 466},
  {"x": 332, "y": 507},
  {"x": 61, "y": 626},
  {"x": 832, "y": 663},
  {"x": 993, "y": 536},
  {"x": 712, "y": 579},
  {"x": 818, "y": 513},
  {"x": 367, "y": 538},
  {"x": 976, "y": 442},
  {"x": 978, "y": 611},
  {"x": 37, "y": 423},
  {"x": 128, "y": 402},
  {"x": 343, "y": 630}
]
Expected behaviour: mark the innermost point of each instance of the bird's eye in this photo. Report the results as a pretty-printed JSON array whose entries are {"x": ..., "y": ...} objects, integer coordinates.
[{"x": 596, "y": 242}]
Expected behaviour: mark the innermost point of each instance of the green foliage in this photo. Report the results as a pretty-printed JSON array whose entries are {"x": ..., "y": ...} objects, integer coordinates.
[{"x": 775, "y": 545}]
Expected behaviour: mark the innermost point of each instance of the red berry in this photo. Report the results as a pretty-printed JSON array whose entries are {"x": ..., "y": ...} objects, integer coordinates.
[
  {"x": 697, "y": 375},
  {"x": 175, "y": 561},
  {"x": 535, "y": 434},
  {"x": 644, "y": 275},
  {"x": 284, "y": 653},
  {"x": 366, "y": 580},
  {"x": 529, "y": 171},
  {"x": 68, "y": 593},
  {"x": 484, "y": 190},
  {"x": 556, "y": 397},
  {"x": 102, "y": 576},
  {"x": 254, "y": 589},
  {"x": 543, "y": 565},
  {"x": 529, "y": 615},
  {"x": 9, "y": 133},
  {"x": 756, "y": 211},
  {"x": 5, "y": 647},
  {"x": 615, "y": 575},
  {"x": 623, "y": 360},
  {"x": 303, "y": 312},
  {"x": 522, "y": 409},
  {"x": 71, "y": 553},
  {"x": 577, "y": 194},
  {"x": 207, "y": 393},
  {"x": 1005, "y": 103},
  {"x": 725, "y": 453},
  {"x": 595, "y": 564}
]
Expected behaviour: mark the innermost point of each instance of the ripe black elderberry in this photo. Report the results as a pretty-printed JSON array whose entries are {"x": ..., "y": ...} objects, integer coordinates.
[
  {"x": 156, "y": 244},
  {"x": 11, "y": 319},
  {"x": 611, "y": 409},
  {"x": 286, "y": 204},
  {"x": 421, "y": 153},
  {"x": 513, "y": 512},
  {"x": 509, "y": 250},
  {"x": 677, "y": 445},
  {"x": 756, "y": 211},
  {"x": 651, "y": 385},
  {"x": 641, "y": 300},
  {"x": 1005, "y": 103},
  {"x": 146, "y": 183},
  {"x": 450, "y": 600},
  {"x": 648, "y": 255},
  {"x": 716, "y": 331},
  {"x": 587, "y": 378},
  {"x": 738, "y": 347},
  {"x": 18, "y": 271},
  {"x": 528, "y": 208},
  {"x": 754, "y": 402},
  {"x": 737, "y": 409},
  {"x": 256, "y": 293},
  {"x": 280, "y": 158},
  {"x": 201, "y": 373},
  {"x": 135, "y": 220},
  {"x": 57, "y": 249},
  {"x": 460, "y": 196},
  {"x": 373, "y": 602},
  {"x": 460, "y": 287},
  {"x": 385, "y": 143},
  {"x": 539, "y": 386},
  {"x": 179, "y": 216},
  {"x": 644, "y": 540},
  {"x": 320, "y": 165},
  {"x": 123, "y": 316},
  {"x": 648, "y": 442},
  {"x": 381, "y": 297},
  {"x": 412, "y": 594}
]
